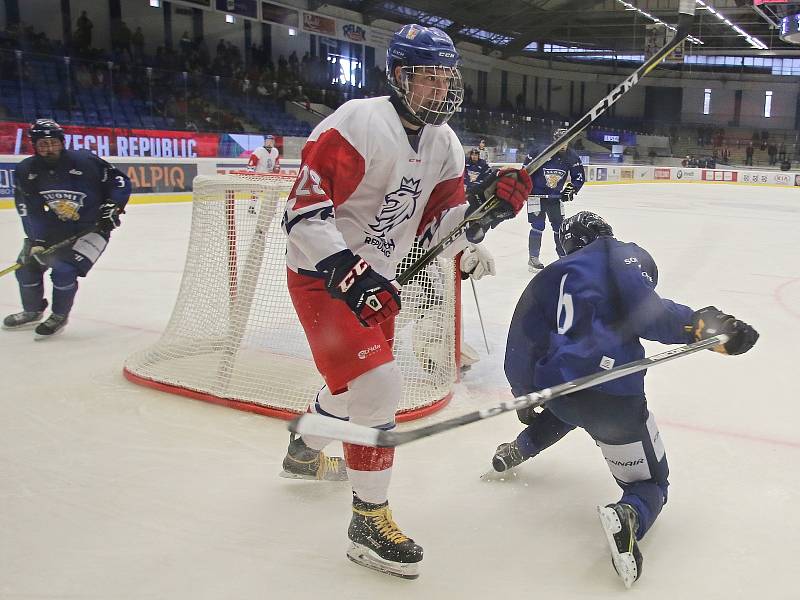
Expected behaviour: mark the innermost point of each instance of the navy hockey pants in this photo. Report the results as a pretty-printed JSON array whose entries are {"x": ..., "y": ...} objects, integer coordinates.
[
  {"x": 626, "y": 433},
  {"x": 551, "y": 208},
  {"x": 66, "y": 266}
]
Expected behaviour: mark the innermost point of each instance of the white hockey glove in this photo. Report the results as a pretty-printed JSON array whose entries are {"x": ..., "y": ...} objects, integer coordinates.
[{"x": 476, "y": 261}]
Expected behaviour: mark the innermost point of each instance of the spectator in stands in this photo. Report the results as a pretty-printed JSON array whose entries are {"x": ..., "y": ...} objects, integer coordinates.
[
  {"x": 137, "y": 41},
  {"x": 772, "y": 152},
  {"x": 748, "y": 154},
  {"x": 483, "y": 150},
  {"x": 83, "y": 33}
]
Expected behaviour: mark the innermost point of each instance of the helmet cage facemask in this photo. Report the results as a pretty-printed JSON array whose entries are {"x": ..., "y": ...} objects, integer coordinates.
[{"x": 428, "y": 112}]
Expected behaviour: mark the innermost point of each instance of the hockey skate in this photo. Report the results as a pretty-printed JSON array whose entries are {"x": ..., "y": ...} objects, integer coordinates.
[
  {"x": 377, "y": 542},
  {"x": 620, "y": 522},
  {"x": 534, "y": 264},
  {"x": 302, "y": 462},
  {"x": 51, "y": 326},
  {"x": 507, "y": 457},
  {"x": 22, "y": 320}
]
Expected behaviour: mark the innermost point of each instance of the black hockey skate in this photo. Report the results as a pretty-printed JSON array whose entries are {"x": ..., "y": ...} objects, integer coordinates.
[
  {"x": 22, "y": 320},
  {"x": 507, "y": 457},
  {"x": 302, "y": 462},
  {"x": 534, "y": 264},
  {"x": 620, "y": 522},
  {"x": 50, "y": 327},
  {"x": 377, "y": 542}
]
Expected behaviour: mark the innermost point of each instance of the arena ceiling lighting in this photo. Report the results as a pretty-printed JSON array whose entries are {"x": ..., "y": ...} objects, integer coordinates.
[{"x": 753, "y": 41}]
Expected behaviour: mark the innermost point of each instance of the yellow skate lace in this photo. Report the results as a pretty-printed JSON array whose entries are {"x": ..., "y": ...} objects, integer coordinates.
[
  {"x": 328, "y": 464},
  {"x": 382, "y": 519}
]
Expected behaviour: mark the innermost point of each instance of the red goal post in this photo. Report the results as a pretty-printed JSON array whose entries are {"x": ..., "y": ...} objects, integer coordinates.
[{"x": 233, "y": 338}]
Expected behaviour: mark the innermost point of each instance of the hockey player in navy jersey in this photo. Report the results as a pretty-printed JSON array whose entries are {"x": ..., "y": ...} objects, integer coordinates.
[
  {"x": 586, "y": 312},
  {"x": 555, "y": 182},
  {"x": 475, "y": 170},
  {"x": 60, "y": 193}
]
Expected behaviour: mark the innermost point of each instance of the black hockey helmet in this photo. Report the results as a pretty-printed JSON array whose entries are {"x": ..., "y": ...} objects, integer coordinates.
[
  {"x": 581, "y": 230},
  {"x": 45, "y": 128}
]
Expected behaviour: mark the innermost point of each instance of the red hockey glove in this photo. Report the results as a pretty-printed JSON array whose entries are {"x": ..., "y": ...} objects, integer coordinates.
[
  {"x": 370, "y": 296},
  {"x": 512, "y": 189}
]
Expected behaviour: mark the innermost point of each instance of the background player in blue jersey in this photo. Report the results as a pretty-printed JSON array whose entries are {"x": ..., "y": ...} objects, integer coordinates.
[
  {"x": 586, "y": 312},
  {"x": 475, "y": 170},
  {"x": 555, "y": 182},
  {"x": 60, "y": 193}
]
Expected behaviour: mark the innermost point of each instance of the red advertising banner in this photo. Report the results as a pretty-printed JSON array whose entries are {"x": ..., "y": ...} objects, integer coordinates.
[
  {"x": 108, "y": 141},
  {"x": 319, "y": 24},
  {"x": 661, "y": 173}
]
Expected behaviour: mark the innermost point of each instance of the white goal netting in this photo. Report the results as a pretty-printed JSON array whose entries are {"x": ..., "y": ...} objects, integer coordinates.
[{"x": 234, "y": 337}]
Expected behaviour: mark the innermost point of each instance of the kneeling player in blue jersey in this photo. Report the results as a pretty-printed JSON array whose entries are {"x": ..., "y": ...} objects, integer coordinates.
[{"x": 587, "y": 312}]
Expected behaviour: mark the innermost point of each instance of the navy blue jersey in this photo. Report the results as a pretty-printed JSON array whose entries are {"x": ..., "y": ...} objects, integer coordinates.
[
  {"x": 59, "y": 200},
  {"x": 551, "y": 177},
  {"x": 586, "y": 312},
  {"x": 475, "y": 172}
]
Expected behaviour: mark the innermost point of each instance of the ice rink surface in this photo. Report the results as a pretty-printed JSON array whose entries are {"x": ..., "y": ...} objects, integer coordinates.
[{"x": 113, "y": 491}]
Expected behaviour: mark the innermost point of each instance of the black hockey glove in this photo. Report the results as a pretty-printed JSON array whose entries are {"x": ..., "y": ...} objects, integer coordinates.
[
  {"x": 511, "y": 186},
  {"x": 370, "y": 296},
  {"x": 29, "y": 255},
  {"x": 529, "y": 414},
  {"x": 568, "y": 193},
  {"x": 710, "y": 321},
  {"x": 108, "y": 217}
]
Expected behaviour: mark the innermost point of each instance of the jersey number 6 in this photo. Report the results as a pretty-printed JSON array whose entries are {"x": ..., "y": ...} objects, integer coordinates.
[{"x": 565, "y": 306}]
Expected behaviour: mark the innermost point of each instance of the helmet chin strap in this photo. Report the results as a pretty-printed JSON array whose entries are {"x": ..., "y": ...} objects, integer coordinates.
[{"x": 404, "y": 112}]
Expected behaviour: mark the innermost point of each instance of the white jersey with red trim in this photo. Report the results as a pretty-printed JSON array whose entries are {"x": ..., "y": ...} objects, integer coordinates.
[
  {"x": 364, "y": 187},
  {"x": 265, "y": 160}
]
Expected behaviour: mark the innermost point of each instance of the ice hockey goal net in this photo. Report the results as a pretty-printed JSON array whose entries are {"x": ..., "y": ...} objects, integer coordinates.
[{"x": 234, "y": 338}]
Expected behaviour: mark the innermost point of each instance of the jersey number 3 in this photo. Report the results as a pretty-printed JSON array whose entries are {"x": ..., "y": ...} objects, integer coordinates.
[{"x": 566, "y": 311}]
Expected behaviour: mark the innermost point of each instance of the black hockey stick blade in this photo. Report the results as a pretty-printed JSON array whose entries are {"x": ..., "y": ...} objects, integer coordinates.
[
  {"x": 685, "y": 20},
  {"x": 51, "y": 249},
  {"x": 317, "y": 425}
]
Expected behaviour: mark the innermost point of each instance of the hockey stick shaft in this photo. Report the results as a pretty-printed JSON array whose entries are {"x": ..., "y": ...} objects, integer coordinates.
[
  {"x": 314, "y": 424},
  {"x": 480, "y": 316},
  {"x": 685, "y": 19},
  {"x": 50, "y": 250}
]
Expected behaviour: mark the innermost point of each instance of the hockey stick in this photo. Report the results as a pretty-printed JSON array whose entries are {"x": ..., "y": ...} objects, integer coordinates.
[
  {"x": 314, "y": 424},
  {"x": 685, "y": 20},
  {"x": 480, "y": 317},
  {"x": 50, "y": 250}
]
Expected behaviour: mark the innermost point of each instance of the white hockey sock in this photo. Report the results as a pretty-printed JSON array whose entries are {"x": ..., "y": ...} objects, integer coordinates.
[
  {"x": 330, "y": 405},
  {"x": 370, "y": 486}
]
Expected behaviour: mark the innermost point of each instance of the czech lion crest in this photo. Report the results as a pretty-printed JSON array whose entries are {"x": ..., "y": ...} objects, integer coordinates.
[{"x": 398, "y": 206}]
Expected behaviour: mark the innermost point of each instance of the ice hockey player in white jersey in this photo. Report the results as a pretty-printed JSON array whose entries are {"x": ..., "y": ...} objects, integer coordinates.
[
  {"x": 376, "y": 176},
  {"x": 266, "y": 158}
]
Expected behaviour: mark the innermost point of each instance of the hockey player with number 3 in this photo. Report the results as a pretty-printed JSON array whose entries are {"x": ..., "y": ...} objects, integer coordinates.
[
  {"x": 571, "y": 322},
  {"x": 376, "y": 176},
  {"x": 60, "y": 193}
]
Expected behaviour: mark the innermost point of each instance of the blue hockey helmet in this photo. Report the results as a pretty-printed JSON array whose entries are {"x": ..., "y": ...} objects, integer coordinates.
[
  {"x": 427, "y": 51},
  {"x": 45, "y": 128},
  {"x": 582, "y": 229}
]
